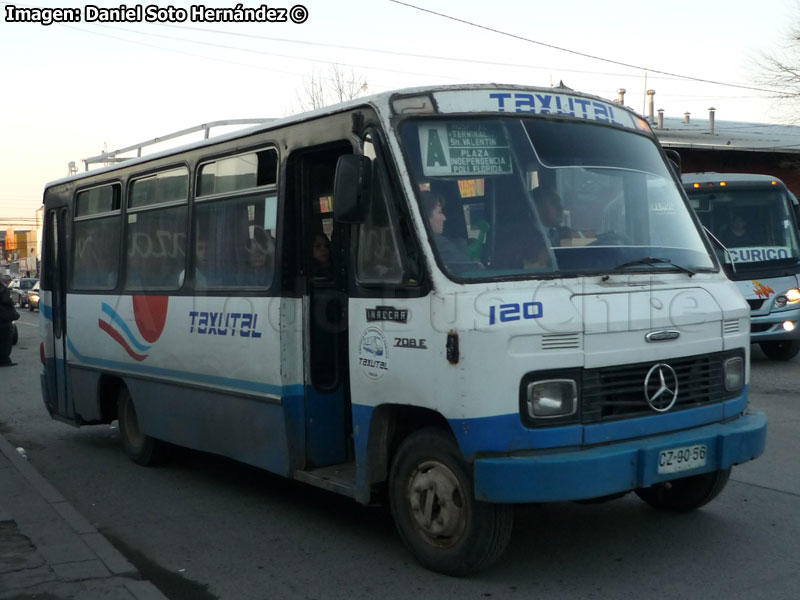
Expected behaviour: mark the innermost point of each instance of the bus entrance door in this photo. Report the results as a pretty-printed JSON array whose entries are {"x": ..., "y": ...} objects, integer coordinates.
[{"x": 327, "y": 400}]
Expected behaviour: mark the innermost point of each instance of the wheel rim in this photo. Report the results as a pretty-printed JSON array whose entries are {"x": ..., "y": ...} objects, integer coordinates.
[
  {"x": 438, "y": 504},
  {"x": 130, "y": 426}
]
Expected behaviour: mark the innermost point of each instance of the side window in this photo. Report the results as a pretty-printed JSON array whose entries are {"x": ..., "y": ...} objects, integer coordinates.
[
  {"x": 95, "y": 259},
  {"x": 156, "y": 238},
  {"x": 380, "y": 249},
  {"x": 234, "y": 224}
]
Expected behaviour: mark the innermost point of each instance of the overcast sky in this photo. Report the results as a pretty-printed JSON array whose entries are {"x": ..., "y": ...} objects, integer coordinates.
[{"x": 67, "y": 91}]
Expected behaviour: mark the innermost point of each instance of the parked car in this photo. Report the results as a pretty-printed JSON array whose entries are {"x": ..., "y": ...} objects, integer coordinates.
[
  {"x": 19, "y": 290},
  {"x": 32, "y": 298}
]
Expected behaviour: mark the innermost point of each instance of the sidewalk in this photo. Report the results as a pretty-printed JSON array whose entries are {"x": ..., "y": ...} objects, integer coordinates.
[{"x": 49, "y": 551}]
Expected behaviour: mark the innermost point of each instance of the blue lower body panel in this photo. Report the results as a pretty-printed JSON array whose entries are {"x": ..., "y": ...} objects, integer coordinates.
[{"x": 576, "y": 474}]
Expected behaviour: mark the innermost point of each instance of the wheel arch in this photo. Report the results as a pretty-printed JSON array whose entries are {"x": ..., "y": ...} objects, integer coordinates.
[
  {"x": 389, "y": 425},
  {"x": 108, "y": 388}
]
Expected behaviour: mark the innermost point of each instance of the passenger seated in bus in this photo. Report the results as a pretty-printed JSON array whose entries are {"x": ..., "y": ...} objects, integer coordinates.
[
  {"x": 321, "y": 254},
  {"x": 452, "y": 252},
  {"x": 205, "y": 272},
  {"x": 736, "y": 235},
  {"x": 260, "y": 253},
  {"x": 551, "y": 214}
]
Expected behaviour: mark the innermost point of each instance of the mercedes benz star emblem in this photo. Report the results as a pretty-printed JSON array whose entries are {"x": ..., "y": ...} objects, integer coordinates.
[{"x": 661, "y": 387}]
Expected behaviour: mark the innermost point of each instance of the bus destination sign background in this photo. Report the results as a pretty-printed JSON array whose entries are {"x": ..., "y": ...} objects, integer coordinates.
[{"x": 464, "y": 149}]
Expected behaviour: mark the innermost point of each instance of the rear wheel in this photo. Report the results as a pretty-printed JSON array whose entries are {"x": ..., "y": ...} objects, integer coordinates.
[
  {"x": 687, "y": 493},
  {"x": 142, "y": 449},
  {"x": 434, "y": 509},
  {"x": 784, "y": 350}
]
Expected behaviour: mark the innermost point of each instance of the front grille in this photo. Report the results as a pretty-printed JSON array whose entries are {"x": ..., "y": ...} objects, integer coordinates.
[
  {"x": 756, "y": 304},
  {"x": 760, "y": 327},
  {"x": 617, "y": 392}
]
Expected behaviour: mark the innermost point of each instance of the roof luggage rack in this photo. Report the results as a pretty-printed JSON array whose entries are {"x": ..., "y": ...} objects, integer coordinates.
[{"x": 112, "y": 157}]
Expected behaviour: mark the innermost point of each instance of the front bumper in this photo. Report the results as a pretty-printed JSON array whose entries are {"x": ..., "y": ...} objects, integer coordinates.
[
  {"x": 578, "y": 474},
  {"x": 769, "y": 327}
]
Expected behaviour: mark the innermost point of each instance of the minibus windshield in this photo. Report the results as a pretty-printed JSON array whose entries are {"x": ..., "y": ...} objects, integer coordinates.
[
  {"x": 510, "y": 197},
  {"x": 755, "y": 224}
]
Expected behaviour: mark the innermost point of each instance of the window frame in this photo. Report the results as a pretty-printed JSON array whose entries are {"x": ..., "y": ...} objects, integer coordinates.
[
  {"x": 270, "y": 190},
  {"x": 114, "y": 212},
  {"x": 396, "y": 202},
  {"x": 135, "y": 210}
]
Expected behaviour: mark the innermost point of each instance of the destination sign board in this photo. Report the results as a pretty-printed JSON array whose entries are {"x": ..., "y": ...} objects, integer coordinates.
[{"x": 464, "y": 148}]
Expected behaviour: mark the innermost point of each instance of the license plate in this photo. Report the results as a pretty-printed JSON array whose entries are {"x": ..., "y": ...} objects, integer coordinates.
[{"x": 682, "y": 459}]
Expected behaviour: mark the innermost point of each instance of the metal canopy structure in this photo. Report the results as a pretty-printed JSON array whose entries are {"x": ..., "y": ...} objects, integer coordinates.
[{"x": 113, "y": 156}]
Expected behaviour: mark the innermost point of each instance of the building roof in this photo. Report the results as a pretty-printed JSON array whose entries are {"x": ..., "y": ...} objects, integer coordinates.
[{"x": 729, "y": 135}]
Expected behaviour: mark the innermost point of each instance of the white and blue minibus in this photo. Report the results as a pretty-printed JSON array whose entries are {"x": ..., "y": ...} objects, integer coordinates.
[
  {"x": 451, "y": 299},
  {"x": 753, "y": 218}
]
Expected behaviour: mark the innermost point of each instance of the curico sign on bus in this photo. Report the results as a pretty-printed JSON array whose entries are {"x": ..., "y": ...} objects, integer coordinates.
[{"x": 743, "y": 255}]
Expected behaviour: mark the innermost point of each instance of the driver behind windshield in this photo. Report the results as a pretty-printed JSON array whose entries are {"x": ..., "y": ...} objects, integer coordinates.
[
  {"x": 551, "y": 213},
  {"x": 737, "y": 235}
]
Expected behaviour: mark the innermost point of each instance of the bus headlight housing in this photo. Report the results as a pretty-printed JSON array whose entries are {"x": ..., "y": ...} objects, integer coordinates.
[
  {"x": 552, "y": 398},
  {"x": 791, "y": 296},
  {"x": 733, "y": 372}
]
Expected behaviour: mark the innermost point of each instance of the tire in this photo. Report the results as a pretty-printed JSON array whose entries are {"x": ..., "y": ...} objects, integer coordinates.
[
  {"x": 140, "y": 448},
  {"x": 685, "y": 494},
  {"x": 435, "y": 512},
  {"x": 785, "y": 350},
  {"x": 30, "y": 307}
]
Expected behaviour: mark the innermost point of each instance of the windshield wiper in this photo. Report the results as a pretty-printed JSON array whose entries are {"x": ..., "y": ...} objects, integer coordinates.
[
  {"x": 652, "y": 260},
  {"x": 723, "y": 246}
]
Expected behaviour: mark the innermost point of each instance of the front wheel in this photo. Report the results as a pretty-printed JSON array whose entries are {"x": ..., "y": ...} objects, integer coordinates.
[
  {"x": 142, "y": 449},
  {"x": 436, "y": 514},
  {"x": 687, "y": 493},
  {"x": 785, "y": 350}
]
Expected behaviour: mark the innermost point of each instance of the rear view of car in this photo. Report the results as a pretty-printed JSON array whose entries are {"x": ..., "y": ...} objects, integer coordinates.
[
  {"x": 19, "y": 294},
  {"x": 33, "y": 298}
]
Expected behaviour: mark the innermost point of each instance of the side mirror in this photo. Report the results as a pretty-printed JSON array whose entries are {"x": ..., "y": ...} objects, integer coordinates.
[
  {"x": 352, "y": 188},
  {"x": 674, "y": 160}
]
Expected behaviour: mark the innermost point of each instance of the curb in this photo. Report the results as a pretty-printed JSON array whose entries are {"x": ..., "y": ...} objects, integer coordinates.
[{"x": 77, "y": 552}]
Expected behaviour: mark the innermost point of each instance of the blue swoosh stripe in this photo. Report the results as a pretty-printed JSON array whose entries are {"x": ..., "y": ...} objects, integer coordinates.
[
  {"x": 189, "y": 377},
  {"x": 124, "y": 326}
]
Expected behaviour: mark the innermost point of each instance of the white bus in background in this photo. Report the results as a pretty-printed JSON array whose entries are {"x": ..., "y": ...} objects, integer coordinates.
[
  {"x": 755, "y": 218},
  {"x": 519, "y": 307}
]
